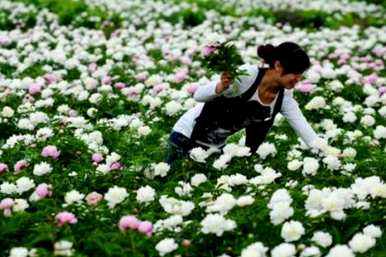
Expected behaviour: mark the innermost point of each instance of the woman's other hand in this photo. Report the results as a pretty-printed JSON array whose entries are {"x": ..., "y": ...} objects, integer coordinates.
[{"x": 224, "y": 83}]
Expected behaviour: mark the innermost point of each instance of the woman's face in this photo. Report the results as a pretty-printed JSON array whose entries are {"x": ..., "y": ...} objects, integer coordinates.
[{"x": 289, "y": 80}]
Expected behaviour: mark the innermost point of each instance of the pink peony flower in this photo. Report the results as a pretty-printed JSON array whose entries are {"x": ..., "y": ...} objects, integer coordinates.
[
  {"x": 115, "y": 166},
  {"x": 128, "y": 222},
  {"x": 192, "y": 88},
  {"x": 42, "y": 190},
  {"x": 332, "y": 56},
  {"x": 4, "y": 40},
  {"x": 382, "y": 90},
  {"x": 6, "y": 205},
  {"x": 344, "y": 56},
  {"x": 208, "y": 50},
  {"x": 186, "y": 60},
  {"x": 372, "y": 78},
  {"x": 21, "y": 164},
  {"x": 379, "y": 51},
  {"x": 115, "y": 33},
  {"x": 92, "y": 67},
  {"x": 50, "y": 78},
  {"x": 119, "y": 85},
  {"x": 132, "y": 91},
  {"x": 34, "y": 89},
  {"x": 7, "y": 212},
  {"x": 342, "y": 61},
  {"x": 146, "y": 228},
  {"x": 97, "y": 157},
  {"x": 50, "y": 151},
  {"x": 65, "y": 218},
  {"x": 181, "y": 76},
  {"x": 305, "y": 86},
  {"x": 141, "y": 76},
  {"x": 106, "y": 80},
  {"x": 365, "y": 59},
  {"x": 3, "y": 167},
  {"x": 158, "y": 88},
  {"x": 93, "y": 198}
]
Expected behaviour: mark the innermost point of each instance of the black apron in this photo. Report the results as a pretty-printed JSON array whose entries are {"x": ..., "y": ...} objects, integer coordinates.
[{"x": 223, "y": 116}]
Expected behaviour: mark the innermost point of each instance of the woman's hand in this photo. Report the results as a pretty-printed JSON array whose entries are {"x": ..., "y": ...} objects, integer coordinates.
[{"x": 224, "y": 83}]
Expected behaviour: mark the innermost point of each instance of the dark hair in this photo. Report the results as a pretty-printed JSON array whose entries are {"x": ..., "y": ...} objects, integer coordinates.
[{"x": 293, "y": 58}]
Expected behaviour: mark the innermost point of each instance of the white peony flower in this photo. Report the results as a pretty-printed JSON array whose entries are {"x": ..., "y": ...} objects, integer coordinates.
[
  {"x": 136, "y": 123},
  {"x": 20, "y": 205},
  {"x": 145, "y": 194},
  {"x": 245, "y": 200},
  {"x": 280, "y": 195},
  {"x": 73, "y": 197},
  {"x": 44, "y": 133},
  {"x": 144, "y": 130},
  {"x": 42, "y": 169},
  {"x": 283, "y": 250},
  {"x": 311, "y": 252},
  {"x": 266, "y": 149},
  {"x": 24, "y": 184},
  {"x": 25, "y": 124},
  {"x": 318, "y": 102},
  {"x": 361, "y": 243},
  {"x": 340, "y": 251},
  {"x": 333, "y": 163},
  {"x": 176, "y": 207},
  {"x": 380, "y": 132},
  {"x": 254, "y": 250},
  {"x": 237, "y": 179},
  {"x": 160, "y": 169},
  {"x": 236, "y": 150},
  {"x": 373, "y": 231},
  {"x": 294, "y": 165},
  {"x": 319, "y": 144},
  {"x": 224, "y": 203},
  {"x": 222, "y": 162},
  {"x": 349, "y": 152},
  {"x": 292, "y": 231},
  {"x": 349, "y": 117},
  {"x": 213, "y": 38},
  {"x": 184, "y": 189},
  {"x": 323, "y": 239},
  {"x": 173, "y": 108},
  {"x": 367, "y": 121},
  {"x": 7, "y": 112},
  {"x": 166, "y": 246},
  {"x": 216, "y": 224},
  {"x": 198, "y": 154},
  {"x": 280, "y": 212},
  {"x": 280, "y": 206},
  {"x": 18, "y": 252},
  {"x": 170, "y": 223},
  {"x": 38, "y": 117},
  {"x": 103, "y": 168},
  {"x": 198, "y": 179},
  {"x": 8, "y": 188},
  {"x": 63, "y": 248},
  {"x": 115, "y": 195},
  {"x": 310, "y": 166},
  {"x": 382, "y": 111}
]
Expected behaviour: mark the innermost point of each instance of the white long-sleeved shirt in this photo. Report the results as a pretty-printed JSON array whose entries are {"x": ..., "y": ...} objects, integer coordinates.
[{"x": 290, "y": 108}]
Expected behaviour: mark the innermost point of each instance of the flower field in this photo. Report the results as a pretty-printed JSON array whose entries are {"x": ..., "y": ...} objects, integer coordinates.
[{"x": 89, "y": 93}]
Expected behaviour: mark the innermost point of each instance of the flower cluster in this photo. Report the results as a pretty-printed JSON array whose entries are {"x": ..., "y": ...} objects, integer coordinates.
[{"x": 131, "y": 222}]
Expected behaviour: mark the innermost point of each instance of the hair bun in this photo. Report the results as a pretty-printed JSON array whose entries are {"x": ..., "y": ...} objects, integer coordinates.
[{"x": 266, "y": 52}]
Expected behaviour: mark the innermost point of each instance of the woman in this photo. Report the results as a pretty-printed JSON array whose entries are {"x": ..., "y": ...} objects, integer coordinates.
[{"x": 226, "y": 106}]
